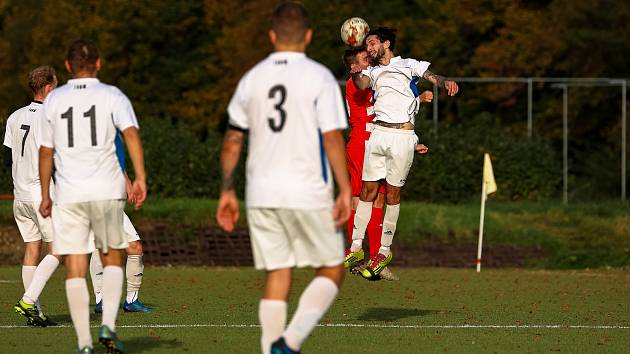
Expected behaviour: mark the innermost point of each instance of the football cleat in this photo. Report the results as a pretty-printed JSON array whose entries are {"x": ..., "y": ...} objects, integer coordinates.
[
  {"x": 86, "y": 350},
  {"x": 30, "y": 312},
  {"x": 98, "y": 308},
  {"x": 376, "y": 266},
  {"x": 281, "y": 347},
  {"x": 49, "y": 322},
  {"x": 352, "y": 258},
  {"x": 110, "y": 340},
  {"x": 136, "y": 306}
]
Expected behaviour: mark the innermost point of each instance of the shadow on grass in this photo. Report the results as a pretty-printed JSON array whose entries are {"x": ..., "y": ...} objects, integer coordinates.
[
  {"x": 62, "y": 319},
  {"x": 392, "y": 314},
  {"x": 142, "y": 344}
]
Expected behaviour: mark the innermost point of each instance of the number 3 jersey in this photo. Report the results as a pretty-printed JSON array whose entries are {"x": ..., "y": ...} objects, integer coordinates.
[
  {"x": 20, "y": 136},
  {"x": 286, "y": 102},
  {"x": 80, "y": 122}
]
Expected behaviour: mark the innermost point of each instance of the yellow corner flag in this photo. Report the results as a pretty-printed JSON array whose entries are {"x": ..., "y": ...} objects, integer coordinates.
[
  {"x": 488, "y": 175},
  {"x": 488, "y": 186}
]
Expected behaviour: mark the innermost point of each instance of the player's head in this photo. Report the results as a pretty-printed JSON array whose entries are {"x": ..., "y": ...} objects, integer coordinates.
[
  {"x": 42, "y": 80},
  {"x": 356, "y": 57},
  {"x": 290, "y": 27},
  {"x": 83, "y": 59},
  {"x": 379, "y": 41}
]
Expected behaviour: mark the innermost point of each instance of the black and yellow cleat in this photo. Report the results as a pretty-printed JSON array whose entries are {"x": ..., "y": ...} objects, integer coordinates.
[
  {"x": 352, "y": 258},
  {"x": 374, "y": 269},
  {"x": 30, "y": 312},
  {"x": 110, "y": 340}
]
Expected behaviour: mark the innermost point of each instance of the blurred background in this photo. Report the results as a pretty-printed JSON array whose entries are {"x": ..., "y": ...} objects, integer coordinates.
[{"x": 179, "y": 62}]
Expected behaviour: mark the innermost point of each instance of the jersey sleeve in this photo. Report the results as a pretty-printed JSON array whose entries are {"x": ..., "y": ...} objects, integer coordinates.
[
  {"x": 236, "y": 108},
  {"x": 418, "y": 67},
  {"x": 8, "y": 134},
  {"x": 329, "y": 107},
  {"x": 45, "y": 131},
  {"x": 123, "y": 114}
]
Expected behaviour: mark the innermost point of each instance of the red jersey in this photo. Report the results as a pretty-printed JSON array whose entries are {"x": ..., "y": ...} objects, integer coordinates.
[{"x": 361, "y": 112}]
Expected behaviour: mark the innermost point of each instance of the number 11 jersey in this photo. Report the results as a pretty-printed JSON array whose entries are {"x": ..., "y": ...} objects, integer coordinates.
[
  {"x": 80, "y": 122},
  {"x": 286, "y": 102}
]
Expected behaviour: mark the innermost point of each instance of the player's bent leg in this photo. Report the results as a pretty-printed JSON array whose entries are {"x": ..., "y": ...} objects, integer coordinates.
[
  {"x": 78, "y": 297},
  {"x": 362, "y": 217},
  {"x": 314, "y": 302},
  {"x": 42, "y": 274},
  {"x": 384, "y": 256},
  {"x": 375, "y": 226},
  {"x": 134, "y": 271},
  {"x": 272, "y": 310}
]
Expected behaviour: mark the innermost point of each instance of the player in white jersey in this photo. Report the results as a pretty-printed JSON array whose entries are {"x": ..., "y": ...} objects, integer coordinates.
[
  {"x": 390, "y": 150},
  {"x": 23, "y": 157},
  {"x": 292, "y": 110},
  {"x": 81, "y": 120}
]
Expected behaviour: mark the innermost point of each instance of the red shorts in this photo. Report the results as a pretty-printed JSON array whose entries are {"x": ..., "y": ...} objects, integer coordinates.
[{"x": 355, "y": 153}]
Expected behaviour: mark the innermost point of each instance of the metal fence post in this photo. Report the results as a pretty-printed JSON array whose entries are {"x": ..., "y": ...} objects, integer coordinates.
[
  {"x": 565, "y": 144},
  {"x": 624, "y": 86},
  {"x": 435, "y": 111},
  {"x": 530, "y": 92}
]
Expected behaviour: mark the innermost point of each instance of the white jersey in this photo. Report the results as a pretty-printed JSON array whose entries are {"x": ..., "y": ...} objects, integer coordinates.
[
  {"x": 287, "y": 101},
  {"x": 396, "y": 95},
  {"x": 81, "y": 118},
  {"x": 21, "y": 137}
]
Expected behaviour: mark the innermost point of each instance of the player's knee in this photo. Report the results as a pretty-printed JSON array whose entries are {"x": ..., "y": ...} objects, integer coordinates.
[
  {"x": 336, "y": 274},
  {"x": 32, "y": 253},
  {"x": 135, "y": 248},
  {"x": 393, "y": 198}
]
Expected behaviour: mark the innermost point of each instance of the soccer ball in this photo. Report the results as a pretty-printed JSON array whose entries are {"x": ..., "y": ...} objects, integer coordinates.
[{"x": 353, "y": 31}]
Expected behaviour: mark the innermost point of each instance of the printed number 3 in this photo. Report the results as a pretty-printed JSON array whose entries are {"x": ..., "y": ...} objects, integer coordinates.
[{"x": 281, "y": 112}]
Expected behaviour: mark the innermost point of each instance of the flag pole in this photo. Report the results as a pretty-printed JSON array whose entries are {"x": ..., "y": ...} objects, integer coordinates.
[{"x": 481, "y": 217}]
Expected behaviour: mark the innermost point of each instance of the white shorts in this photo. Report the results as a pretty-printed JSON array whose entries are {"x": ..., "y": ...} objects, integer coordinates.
[
  {"x": 389, "y": 154},
  {"x": 32, "y": 225},
  {"x": 287, "y": 238},
  {"x": 129, "y": 230},
  {"x": 73, "y": 223}
]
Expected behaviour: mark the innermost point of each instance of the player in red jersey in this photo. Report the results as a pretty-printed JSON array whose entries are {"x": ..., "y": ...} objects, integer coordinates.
[{"x": 361, "y": 115}]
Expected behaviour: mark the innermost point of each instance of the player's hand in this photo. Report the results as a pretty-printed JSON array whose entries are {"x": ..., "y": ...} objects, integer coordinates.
[
  {"x": 343, "y": 205},
  {"x": 422, "y": 149},
  {"x": 451, "y": 87},
  {"x": 228, "y": 211},
  {"x": 426, "y": 96},
  {"x": 138, "y": 193},
  {"x": 355, "y": 68},
  {"x": 45, "y": 207}
]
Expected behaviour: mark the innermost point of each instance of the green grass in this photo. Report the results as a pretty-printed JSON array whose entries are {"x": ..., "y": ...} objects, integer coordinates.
[
  {"x": 424, "y": 297},
  {"x": 578, "y": 235}
]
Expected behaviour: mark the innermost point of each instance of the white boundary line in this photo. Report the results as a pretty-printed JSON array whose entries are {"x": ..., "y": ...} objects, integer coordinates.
[{"x": 358, "y": 325}]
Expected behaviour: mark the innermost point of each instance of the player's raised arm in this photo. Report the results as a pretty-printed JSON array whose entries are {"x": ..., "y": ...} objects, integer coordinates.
[
  {"x": 228, "y": 209},
  {"x": 134, "y": 146},
  {"x": 361, "y": 81},
  {"x": 438, "y": 80}
]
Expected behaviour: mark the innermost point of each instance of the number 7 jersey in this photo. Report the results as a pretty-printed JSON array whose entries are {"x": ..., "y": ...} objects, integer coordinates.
[
  {"x": 286, "y": 102},
  {"x": 80, "y": 122}
]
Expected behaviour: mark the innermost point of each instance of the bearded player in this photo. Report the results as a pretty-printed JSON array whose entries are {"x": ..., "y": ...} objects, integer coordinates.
[
  {"x": 361, "y": 115},
  {"x": 393, "y": 143}
]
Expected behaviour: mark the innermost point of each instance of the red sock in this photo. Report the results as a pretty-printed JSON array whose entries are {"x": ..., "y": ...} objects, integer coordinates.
[
  {"x": 351, "y": 226},
  {"x": 374, "y": 231}
]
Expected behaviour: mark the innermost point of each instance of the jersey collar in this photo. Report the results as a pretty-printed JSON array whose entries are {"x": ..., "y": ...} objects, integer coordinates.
[
  {"x": 275, "y": 55},
  {"x": 84, "y": 79},
  {"x": 37, "y": 102}
]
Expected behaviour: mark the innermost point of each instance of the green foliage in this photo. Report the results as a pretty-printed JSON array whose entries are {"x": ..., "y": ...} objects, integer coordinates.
[{"x": 523, "y": 168}]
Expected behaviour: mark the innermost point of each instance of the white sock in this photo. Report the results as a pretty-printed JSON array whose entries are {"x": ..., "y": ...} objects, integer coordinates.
[
  {"x": 273, "y": 317},
  {"x": 314, "y": 302},
  {"x": 134, "y": 271},
  {"x": 44, "y": 271},
  {"x": 79, "y": 303},
  {"x": 361, "y": 220},
  {"x": 389, "y": 228},
  {"x": 96, "y": 273},
  {"x": 112, "y": 291}
]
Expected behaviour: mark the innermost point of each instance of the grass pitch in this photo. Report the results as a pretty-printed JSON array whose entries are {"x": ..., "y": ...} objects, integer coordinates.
[{"x": 214, "y": 310}]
